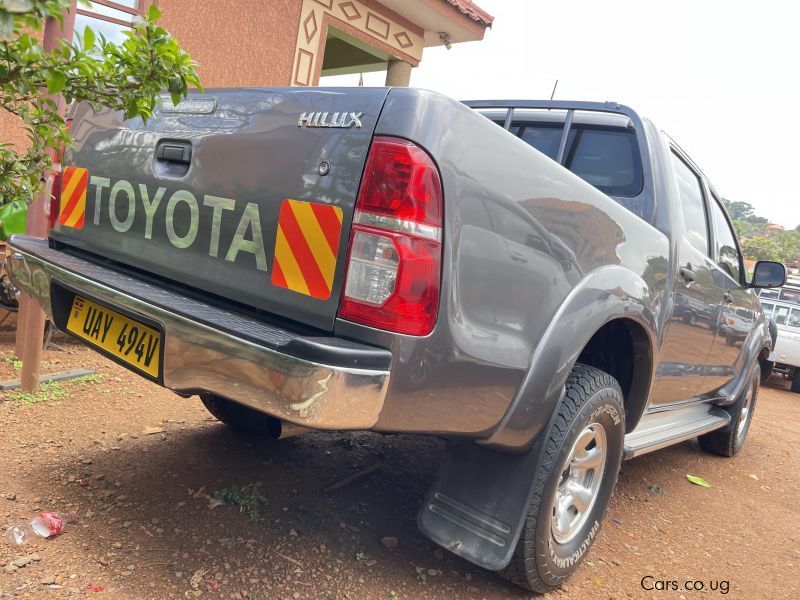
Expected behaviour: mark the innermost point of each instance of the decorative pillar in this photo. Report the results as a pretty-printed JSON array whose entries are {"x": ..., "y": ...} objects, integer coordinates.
[
  {"x": 31, "y": 318},
  {"x": 398, "y": 74}
]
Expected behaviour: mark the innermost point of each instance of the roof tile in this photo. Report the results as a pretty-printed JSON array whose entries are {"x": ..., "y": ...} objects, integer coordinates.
[{"x": 473, "y": 11}]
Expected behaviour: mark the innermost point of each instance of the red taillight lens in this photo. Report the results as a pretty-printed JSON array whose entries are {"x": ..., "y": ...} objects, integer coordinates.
[
  {"x": 51, "y": 206},
  {"x": 394, "y": 262},
  {"x": 401, "y": 181}
]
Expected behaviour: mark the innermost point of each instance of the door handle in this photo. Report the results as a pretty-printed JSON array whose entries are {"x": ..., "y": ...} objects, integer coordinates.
[
  {"x": 727, "y": 297},
  {"x": 687, "y": 274}
]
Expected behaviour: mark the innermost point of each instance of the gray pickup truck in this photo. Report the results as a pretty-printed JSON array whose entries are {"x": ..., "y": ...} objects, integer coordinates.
[{"x": 537, "y": 282}]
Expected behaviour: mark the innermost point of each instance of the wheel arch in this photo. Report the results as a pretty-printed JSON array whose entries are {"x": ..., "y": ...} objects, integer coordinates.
[
  {"x": 612, "y": 299},
  {"x": 622, "y": 348}
]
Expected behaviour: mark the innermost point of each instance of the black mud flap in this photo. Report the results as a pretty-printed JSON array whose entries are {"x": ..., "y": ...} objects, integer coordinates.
[{"x": 477, "y": 506}]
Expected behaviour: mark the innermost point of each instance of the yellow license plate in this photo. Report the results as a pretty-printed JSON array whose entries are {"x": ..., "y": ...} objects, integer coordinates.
[{"x": 132, "y": 342}]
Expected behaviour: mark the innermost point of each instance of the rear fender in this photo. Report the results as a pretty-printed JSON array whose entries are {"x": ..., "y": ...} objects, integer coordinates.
[{"x": 608, "y": 293}]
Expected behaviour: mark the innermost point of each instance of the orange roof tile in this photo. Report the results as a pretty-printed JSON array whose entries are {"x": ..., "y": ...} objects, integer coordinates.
[{"x": 473, "y": 11}]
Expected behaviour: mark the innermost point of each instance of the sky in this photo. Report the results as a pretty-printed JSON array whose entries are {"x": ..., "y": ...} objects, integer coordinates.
[{"x": 721, "y": 77}]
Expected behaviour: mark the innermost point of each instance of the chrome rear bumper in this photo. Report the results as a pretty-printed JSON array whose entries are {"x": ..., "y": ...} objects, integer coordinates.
[{"x": 199, "y": 357}]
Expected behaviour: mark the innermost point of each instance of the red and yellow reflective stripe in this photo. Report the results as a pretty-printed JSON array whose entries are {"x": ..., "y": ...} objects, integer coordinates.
[
  {"x": 72, "y": 208},
  {"x": 306, "y": 247}
]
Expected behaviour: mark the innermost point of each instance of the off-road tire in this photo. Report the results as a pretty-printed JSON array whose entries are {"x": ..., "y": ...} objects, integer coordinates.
[
  {"x": 766, "y": 370},
  {"x": 795, "y": 384},
  {"x": 237, "y": 416},
  {"x": 591, "y": 395},
  {"x": 729, "y": 440}
]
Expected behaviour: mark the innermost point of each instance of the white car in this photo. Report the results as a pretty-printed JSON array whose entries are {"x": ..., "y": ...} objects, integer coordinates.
[{"x": 783, "y": 307}]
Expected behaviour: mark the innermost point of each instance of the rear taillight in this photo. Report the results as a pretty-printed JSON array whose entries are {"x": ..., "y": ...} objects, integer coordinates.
[
  {"x": 51, "y": 206},
  {"x": 394, "y": 261}
]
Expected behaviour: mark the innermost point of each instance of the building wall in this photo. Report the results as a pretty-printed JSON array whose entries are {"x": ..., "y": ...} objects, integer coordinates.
[
  {"x": 11, "y": 131},
  {"x": 249, "y": 44}
]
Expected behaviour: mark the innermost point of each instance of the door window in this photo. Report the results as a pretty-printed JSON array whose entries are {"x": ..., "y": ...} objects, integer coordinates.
[
  {"x": 780, "y": 314},
  {"x": 727, "y": 254},
  {"x": 692, "y": 206},
  {"x": 109, "y": 21},
  {"x": 790, "y": 295}
]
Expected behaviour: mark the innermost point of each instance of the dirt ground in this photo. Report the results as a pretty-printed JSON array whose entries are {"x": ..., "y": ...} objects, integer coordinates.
[{"x": 139, "y": 466}]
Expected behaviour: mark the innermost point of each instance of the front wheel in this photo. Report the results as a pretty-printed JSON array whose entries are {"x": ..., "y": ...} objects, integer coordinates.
[
  {"x": 730, "y": 440},
  {"x": 795, "y": 385},
  {"x": 573, "y": 486}
]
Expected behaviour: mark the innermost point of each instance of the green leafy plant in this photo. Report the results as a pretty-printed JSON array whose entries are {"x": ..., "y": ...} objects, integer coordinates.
[
  {"x": 14, "y": 362},
  {"x": 422, "y": 574},
  {"x": 361, "y": 556},
  {"x": 53, "y": 390},
  {"x": 247, "y": 497},
  {"x": 129, "y": 77}
]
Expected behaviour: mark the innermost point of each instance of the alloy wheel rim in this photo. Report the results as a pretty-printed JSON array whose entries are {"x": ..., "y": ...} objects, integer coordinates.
[
  {"x": 579, "y": 484},
  {"x": 744, "y": 415}
]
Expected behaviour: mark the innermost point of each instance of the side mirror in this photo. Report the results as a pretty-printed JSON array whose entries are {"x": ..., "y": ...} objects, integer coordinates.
[{"x": 768, "y": 274}]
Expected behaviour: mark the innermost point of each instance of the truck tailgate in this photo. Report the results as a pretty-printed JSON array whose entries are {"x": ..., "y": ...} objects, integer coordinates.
[{"x": 231, "y": 193}]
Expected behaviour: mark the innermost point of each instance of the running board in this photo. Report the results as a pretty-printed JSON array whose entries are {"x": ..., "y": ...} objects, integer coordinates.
[{"x": 661, "y": 429}]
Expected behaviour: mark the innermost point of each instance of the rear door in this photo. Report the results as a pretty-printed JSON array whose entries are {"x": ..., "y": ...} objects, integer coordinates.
[
  {"x": 243, "y": 194},
  {"x": 689, "y": 334}
]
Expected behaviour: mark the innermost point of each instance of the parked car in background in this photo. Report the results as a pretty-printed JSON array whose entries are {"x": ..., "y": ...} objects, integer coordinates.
[{"x": 783, "y": 307}]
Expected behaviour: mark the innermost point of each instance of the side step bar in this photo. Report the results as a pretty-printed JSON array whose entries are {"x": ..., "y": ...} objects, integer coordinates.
[{"x": 661, "y": 429}]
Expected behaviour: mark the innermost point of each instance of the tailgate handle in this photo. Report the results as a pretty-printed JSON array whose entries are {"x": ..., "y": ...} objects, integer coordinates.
[{"x": 175, "y": 152}]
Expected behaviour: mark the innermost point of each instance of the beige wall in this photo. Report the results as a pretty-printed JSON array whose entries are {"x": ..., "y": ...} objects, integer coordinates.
[
  {"x": 367, "y": 20},
  {"x": 236, "y": 42},
  {"x": 11, "y": 130}
]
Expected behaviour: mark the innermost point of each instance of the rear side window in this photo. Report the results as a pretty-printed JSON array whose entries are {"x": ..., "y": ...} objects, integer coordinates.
[
  {"x": 545, "y": 137},
  {"x": 606, "y": 157},
  {"x": 727, "y": 255},
  {"x": 767, "y": 308},
  {"x": 692, "y": 205}
]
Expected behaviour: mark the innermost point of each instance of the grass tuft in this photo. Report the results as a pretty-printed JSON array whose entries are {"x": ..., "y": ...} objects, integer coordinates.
[
  {"x": 51, "y": 391},
  {"x": 247, "y": 497}
]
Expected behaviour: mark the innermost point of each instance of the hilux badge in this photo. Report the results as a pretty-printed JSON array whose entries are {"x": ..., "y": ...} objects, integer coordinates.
[{"x": 342, "y": 120}]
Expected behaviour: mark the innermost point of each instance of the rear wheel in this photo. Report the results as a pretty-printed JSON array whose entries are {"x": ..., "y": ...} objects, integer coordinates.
[
  {"x": 730, "y": 440},
  {"x": 237, "y": 416},
  {"x": 572, "y": 489}
]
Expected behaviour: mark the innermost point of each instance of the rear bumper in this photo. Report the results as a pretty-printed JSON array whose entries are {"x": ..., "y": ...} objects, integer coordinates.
[{"x": 316, "y": 382}]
